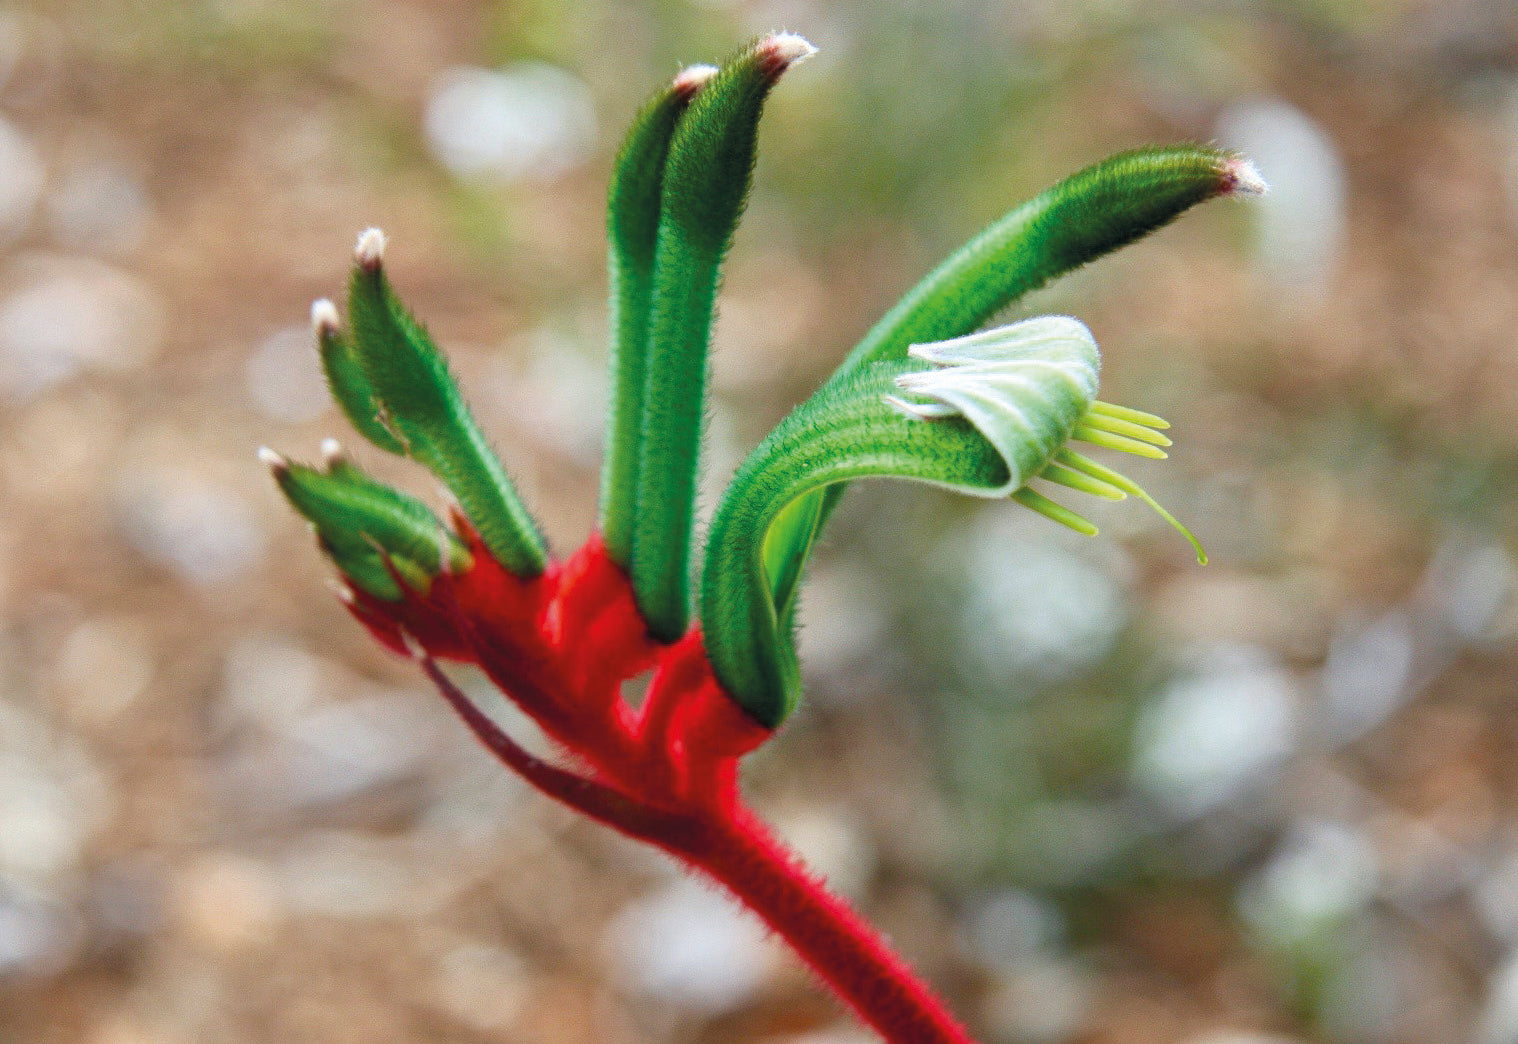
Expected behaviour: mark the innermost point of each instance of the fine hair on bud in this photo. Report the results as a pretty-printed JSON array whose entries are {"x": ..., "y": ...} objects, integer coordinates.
[
  {"x": 1242, "y": 178},
  {"x": 783, "y": 50},
  {"x": 692, "y": 78},
  {"x": 272, "y": 460},
  {"x": 369, "y": 252},
  {"x": 324, "y": 318}
]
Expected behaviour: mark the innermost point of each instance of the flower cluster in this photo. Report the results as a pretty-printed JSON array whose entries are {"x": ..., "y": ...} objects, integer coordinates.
[{"x": 926, "y": 396}]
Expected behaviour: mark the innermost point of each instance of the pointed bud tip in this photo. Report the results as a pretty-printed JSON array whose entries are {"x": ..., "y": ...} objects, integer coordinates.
[
  {"x": 324, "y": 318},
  {"x": 692, "y": 78},
  {"x": 783, "y": 50},
  {"x": 272, "y": 460},
  {"x": 332, "y": 452},
  {"x": 342, "y": 592},
  {"x": 369, "y": 252},
  {"x": 1242, "y": 178}
]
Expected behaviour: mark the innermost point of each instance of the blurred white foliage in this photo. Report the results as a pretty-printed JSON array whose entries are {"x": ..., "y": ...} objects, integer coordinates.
[
  {"x": 99, "y": 207},
  {"x": 353, "y": 875},
  {"x": 558, "y": 399},
  {"x": 203, "y": 531},
  {"x": 1509, "y": 132},
  {"x": 1321, "y": 876},
  {"x": 1301, "y": 221},
  {"x": 22, "y": 175},
  {"x": 688, "y": 945},
  {"x": 1367, "y": 676},
  {"x": 13, "y": 33},
  {"x": 1040, "y": 1001},
  {"x": 1473, "y": 589},
  {"x": 71, "y": 314},
  {"x": 834, "y": 842},
  {"x": 268, "y": 681},
  {"x": 530, "y": 120},
  {"x": 332, "y": 754},
  {"x": 843, "y": 630},
  {"x": 1495, "y": 896},
  {"x": 1466, "y": 597},
  {"x": 37, "y": 936},
  {"x": 53, "y": 797},
  {"x": 835, "y": 1035},
  {"x": 482, "y": 985},
  {"x": 1498, "y": 1022},
  {"x": 1217, "y": 731},
  {"x": 1034, "y": 610},
  {"x": 1011, "y": 926},
  {"x": 103, "y": 666},
  {"x": 284, "y": 377}
]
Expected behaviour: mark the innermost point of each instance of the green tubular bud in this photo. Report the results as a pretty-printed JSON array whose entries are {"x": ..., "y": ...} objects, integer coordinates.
[
  {"x": 850, "y": 433},
  {"x": 422, "y": 406},
  {"x": 363, "y": 524},
  {"x": 632, "y": 234},
  {"x": 346, "y": 379},
  {"x": 707, "y": 173},
  {"x": 1091, "y": 213},
  {"x": 980, "y": 415}
]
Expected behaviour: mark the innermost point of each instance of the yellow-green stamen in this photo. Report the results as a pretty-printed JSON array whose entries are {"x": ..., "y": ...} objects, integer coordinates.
[
  {"x": 1127, "y": 413},
  {"x": 1086, "y": 433},
  {"x": 1029, "y": 498}
]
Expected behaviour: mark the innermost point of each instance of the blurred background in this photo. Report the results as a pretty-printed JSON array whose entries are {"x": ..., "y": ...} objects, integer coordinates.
[{"x": 1097, "y": 793}]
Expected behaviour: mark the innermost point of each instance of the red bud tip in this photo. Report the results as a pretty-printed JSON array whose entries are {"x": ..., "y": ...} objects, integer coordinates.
[
  {"x": 273, "y": 461},
  {"x": 370, "y": 250},
  {"x": 780, "y": 51},
  {"x": 1242, "y": 178},
  {"x": 324, "y": 318},
  {"x": 692, "y": 78}
]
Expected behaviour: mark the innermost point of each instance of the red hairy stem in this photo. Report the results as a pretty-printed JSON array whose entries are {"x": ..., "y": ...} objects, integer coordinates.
[
  {"x": 560, "y": 646},
  {"x": 835, "y": 941}
]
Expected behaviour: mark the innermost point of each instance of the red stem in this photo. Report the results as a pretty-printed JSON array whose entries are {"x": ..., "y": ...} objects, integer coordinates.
[
  {"x": 835, "y": 942},
  {"x": 559, "y": 647}
]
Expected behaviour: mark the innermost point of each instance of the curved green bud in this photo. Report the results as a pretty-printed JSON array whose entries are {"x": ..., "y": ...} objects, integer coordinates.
[
  {"x": 346, "y": 378},
  {"x": 420, "y": 404},
  {"x": 632, "y": 213},
  {"x": 982, "y": 415},
  {"x": 707, "y": 173},
  {"x": 1091, "y": 213},
  {"x": 372, "y": 533}
]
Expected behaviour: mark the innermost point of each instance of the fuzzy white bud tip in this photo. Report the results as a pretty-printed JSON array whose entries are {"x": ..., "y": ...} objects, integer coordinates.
[
  {"x": 272, "y": 460},
  {"x": 332, "y": 452},
  {"x": 788, "y": 48},
  {"x": 1244, "y": 178},
  {"x": 324, "y": 318},
  {"x": 694, "y": 77},
  {"x": 343, "y": 592},
  {"x": 370, "y": 250}
]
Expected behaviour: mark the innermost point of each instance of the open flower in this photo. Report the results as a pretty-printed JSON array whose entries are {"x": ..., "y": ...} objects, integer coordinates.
[{"x": 1030, "y": 389}]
